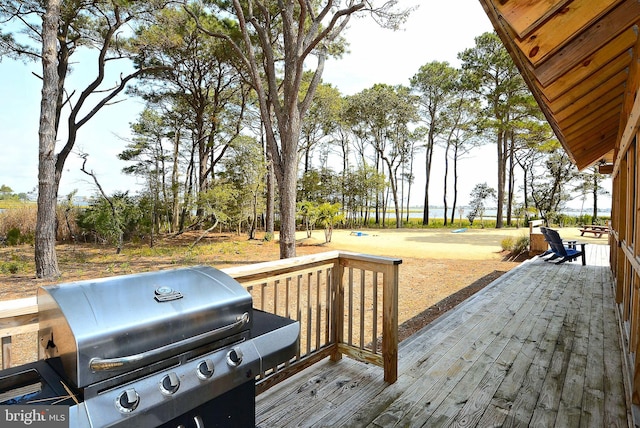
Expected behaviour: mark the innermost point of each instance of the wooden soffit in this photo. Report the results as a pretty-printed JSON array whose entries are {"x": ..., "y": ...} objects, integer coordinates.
[{"x": 579, "y": 58}]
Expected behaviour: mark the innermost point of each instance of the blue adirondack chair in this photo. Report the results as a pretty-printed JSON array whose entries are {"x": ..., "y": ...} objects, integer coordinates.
[
  {"x": 552, "y": 245},
  {"x": 548, "y": 240},
  {"x": 560, "y": 249}
]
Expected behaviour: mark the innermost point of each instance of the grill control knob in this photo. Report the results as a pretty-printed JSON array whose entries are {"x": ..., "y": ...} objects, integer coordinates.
[
  {"x": 234, "y": 357},
  {"x": 169, "y": 384},
  {"x": 205, "y": 369},
  {"x": 127, "y": 401}
]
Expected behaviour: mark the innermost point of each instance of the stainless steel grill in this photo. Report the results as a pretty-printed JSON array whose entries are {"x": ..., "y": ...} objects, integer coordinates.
[{"x": 167, "y": 348}]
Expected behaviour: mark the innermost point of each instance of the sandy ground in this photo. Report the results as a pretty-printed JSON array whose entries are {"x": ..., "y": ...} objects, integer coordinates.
[{"x": 472, "y": 244}]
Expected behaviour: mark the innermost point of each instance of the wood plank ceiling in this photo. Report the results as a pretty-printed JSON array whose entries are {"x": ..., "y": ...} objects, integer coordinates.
[{"x": 579, "y": 58}]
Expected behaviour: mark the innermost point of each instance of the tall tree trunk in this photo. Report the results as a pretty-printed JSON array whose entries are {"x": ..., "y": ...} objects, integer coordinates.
[
  {"x": 155, "y": 215},
  {"x": 203, "y": 149},
  {"x": 455, "y": 184},
  {"x": 501, "y": 178},
  {"x": 385, "y": 199},
  {"x": 379, "y": 195},
  {"x": 410, "y": 179},
  {"x": 345, "y": 166},
  {"x": 162, "y": 174},
  {"x": 46, "y": 259},
  {"x": 175, "y": 186},
  {"x": 408, "y": 201},
  {"x": 393, "y": 181},
  {"x": 269, "y": 223},
  {"x": 446, "y": 174},
  {"x": 409, "y": 190},
  {"x": 402, "y": 193},
  {"x": 511, "y": 177},
  {"x": 510, "y": 187},
  {"x": 188, "y": 191},
  {"x": 427, "y": 168},
  {"x": 595, "y": 198},
  {"x": 253, "y": 219},
  {"x": 526, "y": 196},
  {"x": 287, "y": 185},
  {"x": 307, "y": 155}
]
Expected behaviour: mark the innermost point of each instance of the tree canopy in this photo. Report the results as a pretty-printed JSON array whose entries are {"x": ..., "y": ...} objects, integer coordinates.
[{"x": 233, "y": 95}]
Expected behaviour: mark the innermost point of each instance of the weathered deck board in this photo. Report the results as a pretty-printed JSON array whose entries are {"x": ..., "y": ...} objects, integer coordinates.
[
  {"x": 613, "y": 384},
  {"x": 453, "y": 361},
  {"x": 540, "y": 346}
]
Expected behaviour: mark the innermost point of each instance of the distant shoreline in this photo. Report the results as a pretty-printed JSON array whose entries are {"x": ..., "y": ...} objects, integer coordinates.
[{"x": 438, "y": 212}]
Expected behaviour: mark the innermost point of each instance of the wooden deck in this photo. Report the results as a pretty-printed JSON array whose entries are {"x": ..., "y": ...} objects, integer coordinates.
[{"x": 540, "y": 346}]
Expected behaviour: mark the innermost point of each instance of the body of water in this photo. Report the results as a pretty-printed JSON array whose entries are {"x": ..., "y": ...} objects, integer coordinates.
[{"x": 438, "y": 212}]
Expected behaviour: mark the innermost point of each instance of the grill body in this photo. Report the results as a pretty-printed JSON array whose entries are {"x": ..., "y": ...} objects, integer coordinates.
[
  {"x": 165, "y": 348},
  {"x": 147, "y": 317}
]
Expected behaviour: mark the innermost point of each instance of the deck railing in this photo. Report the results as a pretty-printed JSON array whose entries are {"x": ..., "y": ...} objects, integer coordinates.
[
  {"x": 346, "y": 303},
  {"x": 17, "y": 317}
]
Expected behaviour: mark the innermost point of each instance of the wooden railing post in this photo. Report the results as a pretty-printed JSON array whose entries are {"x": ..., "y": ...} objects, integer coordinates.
[
  {"x": 6, "y": 352},
  {"x": 390, "y": 323},
  {"x": 337, "y": 329}
]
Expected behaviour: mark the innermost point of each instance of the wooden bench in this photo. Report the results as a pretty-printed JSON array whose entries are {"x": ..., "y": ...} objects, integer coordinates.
[{"x": 598, "y": 231}]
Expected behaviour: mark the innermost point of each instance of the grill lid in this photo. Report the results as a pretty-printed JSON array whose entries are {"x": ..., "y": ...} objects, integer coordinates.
[{"x": 105, "y": 327}]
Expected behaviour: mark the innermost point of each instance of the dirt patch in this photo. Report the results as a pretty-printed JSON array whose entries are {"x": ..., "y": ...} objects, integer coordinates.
[{"x": 424, "y": 318}]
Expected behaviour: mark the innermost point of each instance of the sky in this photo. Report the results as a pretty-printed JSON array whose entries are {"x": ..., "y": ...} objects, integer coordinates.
[{"x": 436, "y": 31}]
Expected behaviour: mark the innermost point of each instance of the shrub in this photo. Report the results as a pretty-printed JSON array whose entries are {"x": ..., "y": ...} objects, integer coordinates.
[
  {"x": 521, "y": 245},
  {"x": 13, "y": 266},
  {"x": 507, "y": 243},
  {"x": 13, "y": 236},
  {"x": 584, "y": 219},
  {"x": 9, "y": 267},
  {"x": 515, "y": 246},
  {"x": 99, "y": 218}
]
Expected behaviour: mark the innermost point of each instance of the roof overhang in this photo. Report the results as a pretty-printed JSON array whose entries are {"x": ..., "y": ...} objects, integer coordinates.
[{"x": 579, "y": 58}]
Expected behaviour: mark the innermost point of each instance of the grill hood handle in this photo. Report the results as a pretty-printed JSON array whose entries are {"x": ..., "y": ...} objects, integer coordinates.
[{"x": 106, "y": 364}]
